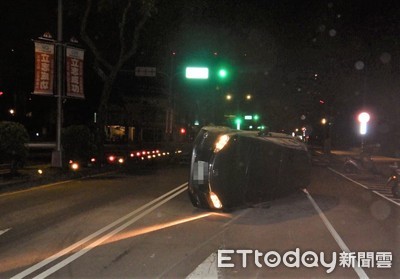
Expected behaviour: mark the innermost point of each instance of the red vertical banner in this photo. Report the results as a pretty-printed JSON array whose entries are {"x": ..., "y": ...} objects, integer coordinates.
[
  {"x": 44, "y": 68},
  {"x": 74, "y": 72}
]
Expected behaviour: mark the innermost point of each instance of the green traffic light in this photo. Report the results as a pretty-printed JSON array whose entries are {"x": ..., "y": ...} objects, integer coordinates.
[
  {"x": 222, "y": 73},
  {"x": 256, "y": 117},
  {"x": 238, "y": 122}
]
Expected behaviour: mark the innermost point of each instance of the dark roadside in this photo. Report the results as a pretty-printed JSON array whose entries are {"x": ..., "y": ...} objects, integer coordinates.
[
  {"x": 38, "y": 173},
  {"x": 42, "y": 174}
]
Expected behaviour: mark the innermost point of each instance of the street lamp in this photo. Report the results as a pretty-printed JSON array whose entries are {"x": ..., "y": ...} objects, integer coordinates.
[{"x": 363, "y": 118}]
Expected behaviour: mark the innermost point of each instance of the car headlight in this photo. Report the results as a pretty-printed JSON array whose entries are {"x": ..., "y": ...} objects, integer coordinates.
[
  {"x": 221, "y": 142},
  {"x": 216, "y": 203}
]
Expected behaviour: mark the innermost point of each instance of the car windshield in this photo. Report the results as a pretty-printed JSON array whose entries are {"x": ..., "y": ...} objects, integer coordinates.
[{"x": 199, "y": 139}]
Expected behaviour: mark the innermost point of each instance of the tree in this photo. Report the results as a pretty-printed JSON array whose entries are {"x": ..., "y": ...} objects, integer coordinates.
[
  {"x": 13, "y": 140},
  {"x": 111, "y": 29},
  {"x": 78, "y": 143}
]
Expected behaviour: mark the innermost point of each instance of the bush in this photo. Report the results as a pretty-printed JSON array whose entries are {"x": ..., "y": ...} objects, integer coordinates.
[
  {"x": 13, "y": 137},
  {"x": 78, "y": 143}
]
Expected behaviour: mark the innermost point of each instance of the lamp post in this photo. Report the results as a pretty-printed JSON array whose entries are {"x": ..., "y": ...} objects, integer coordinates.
[
  {"x": 56, "y": 156},
  {"x": 363, "y": 118},
  {"x": 325, "y": 139}
]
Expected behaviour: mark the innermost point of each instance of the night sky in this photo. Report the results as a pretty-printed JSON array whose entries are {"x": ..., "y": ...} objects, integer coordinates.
[{"x": 290, "y": 54}]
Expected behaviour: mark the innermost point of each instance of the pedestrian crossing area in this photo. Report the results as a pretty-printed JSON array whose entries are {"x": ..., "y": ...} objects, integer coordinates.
[{"x": 375, "y": 183}]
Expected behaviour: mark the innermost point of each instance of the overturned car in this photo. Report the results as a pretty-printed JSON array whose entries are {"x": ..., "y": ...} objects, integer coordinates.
[{"x": 233, "y": 168}]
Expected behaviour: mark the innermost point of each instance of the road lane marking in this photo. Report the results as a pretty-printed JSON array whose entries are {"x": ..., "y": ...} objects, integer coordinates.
[
  {"x": 364, "y": 186},
  {"x": 386, "y": 198},
  {"x": 158, "y": 201},
  {"x": 360, "y": 272},
  {"x": 207, "y": 269},
  {"x": 4, "y": 231},
  {"x": 348, "y": 178},
  {"x": 223, "y": 228},
  {"x": 104, "y": 238}
]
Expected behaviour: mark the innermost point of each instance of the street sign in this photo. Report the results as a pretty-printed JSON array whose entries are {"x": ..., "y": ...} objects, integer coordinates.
[
  {"x": 145, "y": 71},
  {"x": 196, "y": 73}
]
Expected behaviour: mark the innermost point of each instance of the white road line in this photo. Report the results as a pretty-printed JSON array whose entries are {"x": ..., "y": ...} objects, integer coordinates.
[
  {"x": 389, "y": 199},
  {"x": 207, "y": 269},
  {"x": 373, "y": 189},
  {"x": 360, "y": 272},
  {"x": 4, "y": 231},
  {"x": 160, "y": 200},
  {"x": 348, "y": 178}
]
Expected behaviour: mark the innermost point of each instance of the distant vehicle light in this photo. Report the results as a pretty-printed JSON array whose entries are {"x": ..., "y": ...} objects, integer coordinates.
[
  {"x": 138, "y": 153},
  {"x": 132, "y": 155},
  {"x": 75, "y": 166},
  {"x": 111, "y": 158},
  {"x": 93, "y": 160},
  {"x": 40, "y": 171},
  {"x": 221, "y": 142},
  {"x": 215, "y": 201},
  {"x": 121, "y": 160}
]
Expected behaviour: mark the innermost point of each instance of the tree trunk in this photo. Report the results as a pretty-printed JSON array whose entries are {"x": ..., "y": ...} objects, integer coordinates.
[{"x": 102, "y": 117}]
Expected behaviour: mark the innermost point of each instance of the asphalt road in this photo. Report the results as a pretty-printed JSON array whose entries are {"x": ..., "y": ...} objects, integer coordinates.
[{"x": 142, "y": 225}]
